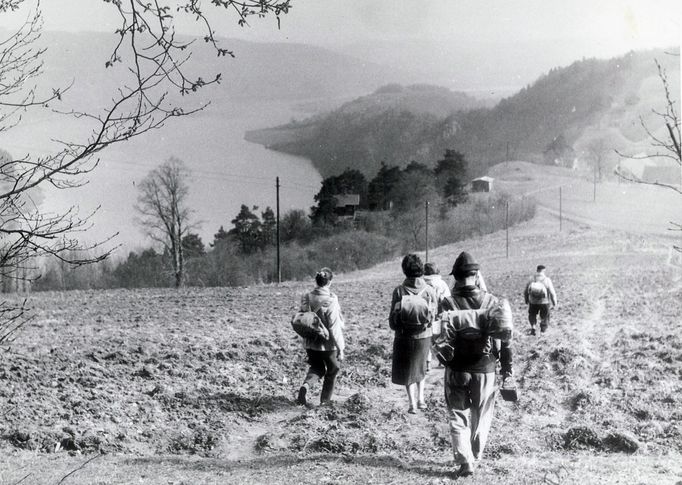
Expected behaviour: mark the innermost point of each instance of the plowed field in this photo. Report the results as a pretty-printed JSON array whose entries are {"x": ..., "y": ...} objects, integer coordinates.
[{"x": 198, "y": 385}]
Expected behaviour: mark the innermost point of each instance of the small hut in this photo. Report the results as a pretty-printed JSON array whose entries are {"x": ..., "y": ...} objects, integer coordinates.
[
  {"x": 346, "y": 205},
  {"x": 482, "y": 184}
]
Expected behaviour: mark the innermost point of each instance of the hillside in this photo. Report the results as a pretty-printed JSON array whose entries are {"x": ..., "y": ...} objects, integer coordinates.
[
  {"x": 198, "y": 385},
  {"x": 259, "y": 71},
  {"x": 570, "y": 108},
  {"x": 389, "y": 122}
]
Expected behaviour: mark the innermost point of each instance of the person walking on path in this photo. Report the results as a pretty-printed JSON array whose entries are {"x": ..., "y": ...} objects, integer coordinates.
[
  {"x": 413, "y": 307},
  {"x": 323, "y": 355},
  {"x": 434, "y": 280},
  {"x": 469, "y": 379},
  {"x": 538, "y": 295}
]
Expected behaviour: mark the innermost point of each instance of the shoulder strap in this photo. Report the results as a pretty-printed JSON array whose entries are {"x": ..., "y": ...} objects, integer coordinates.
[
  {"x": 486, "y": 301},
  {"x": 453, "y": 299}
]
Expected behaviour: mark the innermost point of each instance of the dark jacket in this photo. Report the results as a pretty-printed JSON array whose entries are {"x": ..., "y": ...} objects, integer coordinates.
[
  {"x": 476, "y": 355},
  {"x": 412, "y": 286}
]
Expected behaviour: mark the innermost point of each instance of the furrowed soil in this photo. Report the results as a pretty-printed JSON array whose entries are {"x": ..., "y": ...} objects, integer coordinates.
[{"x": 198, "y": 385}]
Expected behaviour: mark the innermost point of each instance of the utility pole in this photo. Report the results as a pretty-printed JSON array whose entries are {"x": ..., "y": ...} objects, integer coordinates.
[
  {"x": 279, "y": 262},
  {"x": 426, "y": 207},
  {"x": 506, "y": 223},
  {"x": 560, "y": 211}
]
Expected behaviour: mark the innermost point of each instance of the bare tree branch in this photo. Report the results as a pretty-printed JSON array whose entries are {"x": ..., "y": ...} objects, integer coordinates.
[
  {"x": 668, "y": 147},
  {"x": 152, "y": 63}
]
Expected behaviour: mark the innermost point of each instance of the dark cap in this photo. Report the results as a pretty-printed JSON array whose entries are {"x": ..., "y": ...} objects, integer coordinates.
[{"x": 464, "y": 264}]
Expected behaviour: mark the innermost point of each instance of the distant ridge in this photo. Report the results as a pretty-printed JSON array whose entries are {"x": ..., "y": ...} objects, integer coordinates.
[
  {"x": 259, "y": 71},
  {"x": 554, "y": 120}
]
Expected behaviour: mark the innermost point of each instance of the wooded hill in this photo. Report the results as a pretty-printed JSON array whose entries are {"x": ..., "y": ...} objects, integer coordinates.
[{"x": 555, "y": 120}]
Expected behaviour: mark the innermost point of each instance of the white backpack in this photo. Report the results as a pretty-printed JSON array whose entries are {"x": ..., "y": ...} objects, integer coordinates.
[{"x": 537, "y": 291}]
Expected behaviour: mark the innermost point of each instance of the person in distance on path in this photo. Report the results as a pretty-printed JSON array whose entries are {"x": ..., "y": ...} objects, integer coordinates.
[
  {"x": 323, "y": 356},
  {"x": 539, "y": 294},
  {"x": 469, "y": 379}
]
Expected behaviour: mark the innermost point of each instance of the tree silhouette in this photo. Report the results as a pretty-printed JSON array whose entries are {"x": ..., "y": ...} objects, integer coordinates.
[
  {"x": 247, "y": 230},
  {"x": 451, "y": 176},
  {"x": 164, "y": 213}
]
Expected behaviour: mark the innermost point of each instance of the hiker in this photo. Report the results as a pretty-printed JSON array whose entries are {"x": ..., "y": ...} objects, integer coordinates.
[
  {"x": 539, "y": 294},
  {"x": 323, "y": 355},
  {"x": 434, "y": 280},
  {"x": 413, "y": 307},
  {"x": 469, "y": 378}
]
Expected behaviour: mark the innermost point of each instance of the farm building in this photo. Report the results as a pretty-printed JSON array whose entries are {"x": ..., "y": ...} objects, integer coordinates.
[
  {"x": 482, "y": 184},
  {"x": 346, "y": 205},
  {"x": 655, "y": 169}
]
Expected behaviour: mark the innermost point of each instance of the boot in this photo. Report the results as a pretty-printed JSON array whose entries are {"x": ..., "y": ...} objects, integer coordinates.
[
  {"x": 465, "y": 470},
  {"x": 302, "y": 392}
]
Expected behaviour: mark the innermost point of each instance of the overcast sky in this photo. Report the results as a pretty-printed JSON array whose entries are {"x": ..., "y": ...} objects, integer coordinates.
[{"x": 612, "y": 26}]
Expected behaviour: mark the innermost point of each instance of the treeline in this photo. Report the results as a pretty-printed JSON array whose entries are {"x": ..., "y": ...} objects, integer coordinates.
[{"x": 389, "y": 219}]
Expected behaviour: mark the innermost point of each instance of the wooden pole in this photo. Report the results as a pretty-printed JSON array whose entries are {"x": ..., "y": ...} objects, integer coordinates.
[
  {"x": 426, "y": 232},
  {"x": 560, "y": 211},
  {"x": 279, "y": 262}
]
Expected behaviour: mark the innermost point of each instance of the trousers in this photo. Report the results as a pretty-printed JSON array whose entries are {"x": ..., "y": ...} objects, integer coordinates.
[
  {"x": 543, "y": 310},
  {"x": 470, "y": 398},
  {"x": 323, "y": 365}
]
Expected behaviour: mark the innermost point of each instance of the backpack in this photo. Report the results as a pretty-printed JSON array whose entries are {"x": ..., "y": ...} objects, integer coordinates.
[
  {"x": 464, "y": 329},
  {"x": 309, "y": 324},
  {"x": 537, "y": 291},
  {"x": 413, "y": 312},
  {"x": 468, "y": 324}
]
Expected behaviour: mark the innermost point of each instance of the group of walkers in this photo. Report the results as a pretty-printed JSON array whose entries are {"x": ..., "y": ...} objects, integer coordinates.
[{"x": 470, "y": 357}]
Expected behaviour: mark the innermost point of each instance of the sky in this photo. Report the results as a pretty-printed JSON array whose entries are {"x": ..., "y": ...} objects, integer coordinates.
[{"x": 610, "y": 26}]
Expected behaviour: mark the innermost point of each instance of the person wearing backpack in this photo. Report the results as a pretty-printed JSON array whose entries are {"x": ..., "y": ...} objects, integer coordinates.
[
  {"x": 539, "y": 294},
  {"x": 469, "y": 379},
  {"x": 413, "y": 308},
  {"x": 323, "y": 355},
  {"x": 434, "y": 280}
]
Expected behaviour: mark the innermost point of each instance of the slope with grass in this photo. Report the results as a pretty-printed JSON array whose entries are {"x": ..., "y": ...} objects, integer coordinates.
[{"x": 198, "y": 385}]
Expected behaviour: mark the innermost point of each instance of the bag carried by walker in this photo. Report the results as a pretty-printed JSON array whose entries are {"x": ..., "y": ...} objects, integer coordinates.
[
  {"x": 413, "y": 312},
  {"x": 309, "y": 325},
  {"x": 493, "y": 319},
  {"x": 537, "y": 291},
  {"x": 467, "y": 324}
]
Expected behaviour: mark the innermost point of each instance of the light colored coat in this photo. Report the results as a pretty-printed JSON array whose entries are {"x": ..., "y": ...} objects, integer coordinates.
[
  {"x": 323, "y": 298},
  {"x": 544, "y": 279}
]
